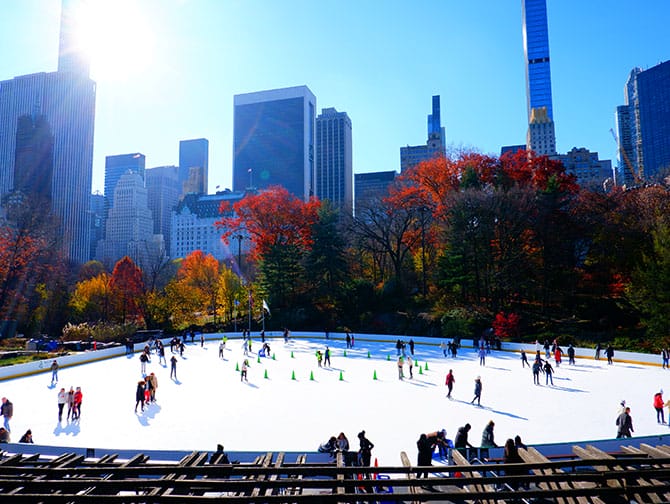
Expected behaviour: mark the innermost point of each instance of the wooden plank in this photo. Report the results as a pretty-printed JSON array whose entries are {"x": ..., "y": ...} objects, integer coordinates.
[
  {"x": 460, "y": 460},
  {"x": 413, "y": 489},
  {"x": 531, "y": 455},
  {"x": 266, "y": 463},
  {"x": 273, "y": 477},
  {"x": 12, "y": 459}
]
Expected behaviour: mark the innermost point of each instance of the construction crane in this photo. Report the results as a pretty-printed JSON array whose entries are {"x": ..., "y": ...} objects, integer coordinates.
[{"x": 626, "y": 161}]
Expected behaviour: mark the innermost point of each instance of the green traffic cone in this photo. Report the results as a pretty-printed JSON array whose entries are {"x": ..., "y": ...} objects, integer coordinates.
[
  {"x": 292, "y": 355},
  {"x": 237, "y": 366},
  {"x": 273, "y": 357},
  {"x": 341, "y": 377},
  {"x": 311, "y": 376},
  {"x": 258, "y": 359},
  {"x": 368, "y": 354},
  {"x": 293, "y": 375},
  {"x": 374, "y": 375},
  {"x": 266, "y": 374},
  {"x": 388, "y": 357},
  {"x": 345, "y": 353},
  {"x": 426, "y": 366},
  {"x": 420, "y": 370}
]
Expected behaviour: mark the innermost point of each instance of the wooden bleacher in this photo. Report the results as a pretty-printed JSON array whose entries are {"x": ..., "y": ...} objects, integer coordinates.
[{"x": 631, "y": 474}]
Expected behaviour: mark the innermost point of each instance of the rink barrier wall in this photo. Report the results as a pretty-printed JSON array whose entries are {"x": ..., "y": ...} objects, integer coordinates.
[{"x": 65, "y": 361}]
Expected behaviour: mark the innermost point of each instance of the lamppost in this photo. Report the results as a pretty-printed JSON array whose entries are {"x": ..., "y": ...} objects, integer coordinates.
[{"x": 239, "y": 238}]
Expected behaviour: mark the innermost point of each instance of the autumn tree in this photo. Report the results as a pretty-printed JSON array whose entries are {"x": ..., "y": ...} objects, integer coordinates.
[
  {"x": 127, "y": 288},
  {"x": 279, "y": 226},
  {"x": 91, "y": 300},
  {"x": 29, "y": 256}
]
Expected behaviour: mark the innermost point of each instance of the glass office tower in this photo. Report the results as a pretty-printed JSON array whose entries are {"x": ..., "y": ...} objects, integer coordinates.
[
  {"x": 274, "y": 140},
  {"x": 536, "y": 50}
]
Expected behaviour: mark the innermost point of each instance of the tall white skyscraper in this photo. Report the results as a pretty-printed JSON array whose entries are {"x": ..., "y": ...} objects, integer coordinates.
[{"x": 66, "y": 99}]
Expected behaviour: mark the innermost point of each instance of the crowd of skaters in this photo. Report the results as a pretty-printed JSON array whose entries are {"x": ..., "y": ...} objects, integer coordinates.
[{"x": 148, "y": 386}]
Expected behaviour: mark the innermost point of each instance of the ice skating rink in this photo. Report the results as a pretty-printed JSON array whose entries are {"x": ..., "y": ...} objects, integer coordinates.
[{"x": 208, "y": 404}]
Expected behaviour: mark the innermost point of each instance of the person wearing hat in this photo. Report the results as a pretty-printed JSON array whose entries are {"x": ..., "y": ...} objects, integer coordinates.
[{"x": 478, "y": 391}]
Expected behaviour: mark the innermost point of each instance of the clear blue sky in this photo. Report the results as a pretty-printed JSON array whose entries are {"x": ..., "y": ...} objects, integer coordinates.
[{"x": 168, "y": 69}]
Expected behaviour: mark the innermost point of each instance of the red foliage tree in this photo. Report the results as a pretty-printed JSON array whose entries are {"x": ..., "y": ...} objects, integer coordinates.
[
  {"x": 271, "y": 218},
  {"x": 506, "y": 326},
  {"x": 127, "y": 289}
]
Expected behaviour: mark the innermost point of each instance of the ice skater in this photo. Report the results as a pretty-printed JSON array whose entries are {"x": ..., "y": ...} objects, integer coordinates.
[
  {"x": 7, "y": 411},
  {"x": 243, "y": 372},
  {"x": 62, "y": 399},
  {"x": 548, "y": 373},
  {"x": 54, "y": 372},
  {"x": 139, "y": 395},
  {"x": 326, "y": 357},
  {"x": 478, "y": 391},
  {"x": 173, "y": 367},
  {"x": 482, "y": 356},
  {"x": 537, "y": 367},
  {"x": 70, "y": 404},
  {"x": 524, "y": 359},
  {"x": 410, "y": 366},
  {"x": 401, "y": 363},
  {"x": 449, "y": 382},
  {"x": 625, "y": 424},
  {"x": 658, "y": 405},
  {"x": 78, "y": 399}
]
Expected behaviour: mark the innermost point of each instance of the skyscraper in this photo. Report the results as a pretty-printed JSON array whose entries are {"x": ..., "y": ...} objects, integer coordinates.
[
  {"x": 435, "y": 145},
  {"x": 33, "y": 161},
  {"x": 129, "y": 227},
  {"x": 536, "y": 50},
  {"x": 193, "y": 166},
  {"x": 644, "y": 124},
  {"x": 334, "y": 170},
  {"x": 115, "y": 167},
  {"x": 66, "y": 100},
  {"x": 163, "y": 193},
  {"x": 273, "y": 140}
]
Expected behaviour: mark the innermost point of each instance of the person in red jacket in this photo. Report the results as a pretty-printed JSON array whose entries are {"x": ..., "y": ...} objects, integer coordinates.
[
  {"x": 450, "y": 382},
  {"x": 658, "y": 404},
  {"x": 78, "y": 396}
]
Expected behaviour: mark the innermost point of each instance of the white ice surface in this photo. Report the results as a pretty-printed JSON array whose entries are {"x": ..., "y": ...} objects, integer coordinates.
[{"x": 209, "y": 405}]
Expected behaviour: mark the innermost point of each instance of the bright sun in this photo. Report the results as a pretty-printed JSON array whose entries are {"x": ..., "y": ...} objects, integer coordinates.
[{"x": 116, "y": 37}]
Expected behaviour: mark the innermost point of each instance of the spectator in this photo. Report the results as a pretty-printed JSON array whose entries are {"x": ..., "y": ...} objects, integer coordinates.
[
  {"x": 329, "y": 446},
  {"x": 27, "y": 437},
  {"x": 425, "y": 449},
  {"x": 365, "y": 451},
  {"x": 4, "y": 435},
  {"x": 461, "y": 442},
  {"x": 487, "y": 436},
  {"x": 219, "y": 456}
]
